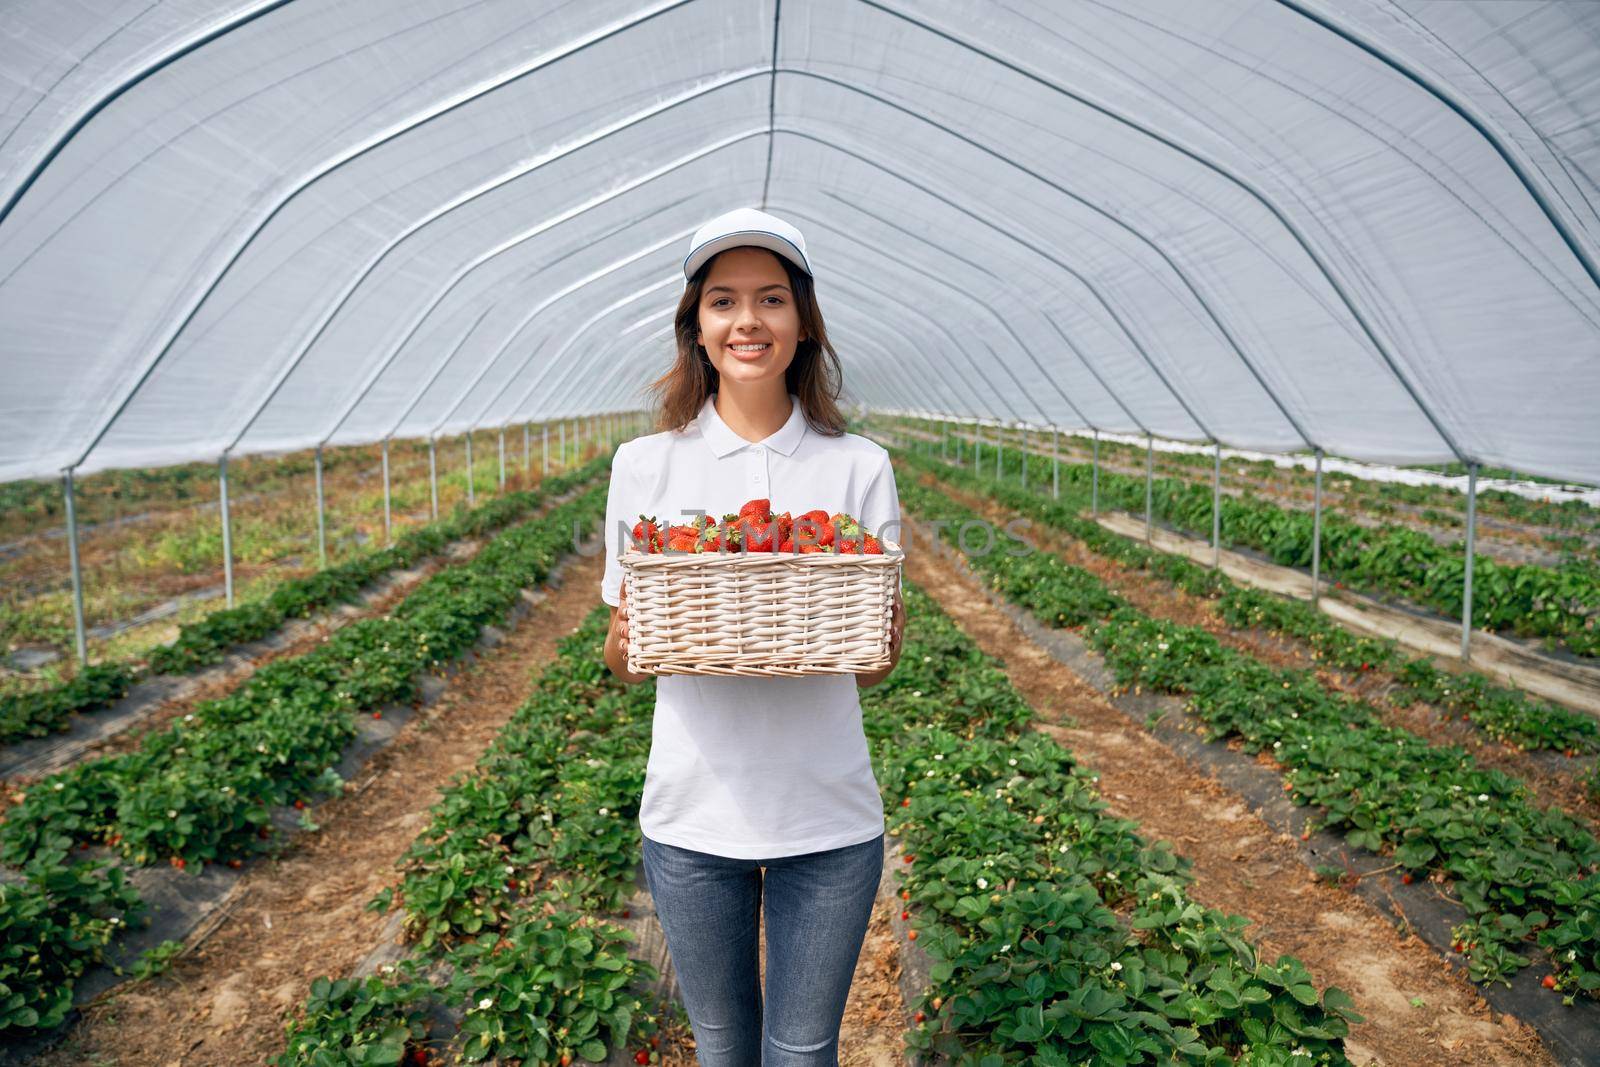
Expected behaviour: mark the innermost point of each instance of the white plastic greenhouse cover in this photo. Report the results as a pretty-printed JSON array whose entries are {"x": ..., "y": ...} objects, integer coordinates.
[{"x": 1368, "y": 227}]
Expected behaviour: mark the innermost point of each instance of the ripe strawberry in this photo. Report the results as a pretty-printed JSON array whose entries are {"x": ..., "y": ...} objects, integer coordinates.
[
  {"x": 909, "y": 858},
  {"x": 683, "y": 539},
  {"x": 178, "y": 862},
  {"x": 642, "y": 1056},
  {"x": 758, "y": 510},
  {"x": 905, "y": 894},
  {"x": 1549, "y": 981},
  {"x": 377, "y": 715},
  {"x": 1405, "y": 879},
  {"x": 905, "y": 916},
  {"x": 236, "y": 863},
  {"x": 911, "y": 935},
  {"x": 655, "y": 1041},
  {"x": 813, "y": 528},
  {"x": 874, "y": 547},
  {"x": 566, "y": 1059},
  {"x": 787, "y": 546},
  {"x": 905, "y": 802},
  {"x": 647, "y": 534},
  {"x": 759, "y": 536},
  {"x": 300, "y": 805},
  {"x": 785, "y": 523}
]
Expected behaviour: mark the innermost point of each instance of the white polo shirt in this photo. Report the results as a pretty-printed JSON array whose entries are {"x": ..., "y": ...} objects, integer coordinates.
[{"x": 752, "y": 768}]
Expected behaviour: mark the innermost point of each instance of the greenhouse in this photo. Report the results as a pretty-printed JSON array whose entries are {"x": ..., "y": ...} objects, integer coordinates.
[{"x": 1183, "y": 420}]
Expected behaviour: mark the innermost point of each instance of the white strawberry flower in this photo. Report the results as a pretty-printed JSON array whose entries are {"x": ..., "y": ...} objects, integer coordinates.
[
  {"x": 938, "y": 755},
  {"x": 172, "y": 813},
  {"x": 1115, "y": 966},
  {"x": 1006, "y": 947},
  {"x": 1162, "y": 646},
  {"x": 188, "y": 718},
  {"x": 510, "y": 869},
  {"x": 59, "y": 785},
  {"x": 983, "y": 883},
  {"x": 916, "y": 692},
  {"x": 1483, "y": 796},
  {"x": 486, "y": 1003},
  {"x": 604, "y": 811},
  {"x": 1012, "y": 761}
]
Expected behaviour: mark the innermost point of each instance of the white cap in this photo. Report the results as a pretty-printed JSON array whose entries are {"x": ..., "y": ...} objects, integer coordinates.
[{"x": 745, "y": 226}]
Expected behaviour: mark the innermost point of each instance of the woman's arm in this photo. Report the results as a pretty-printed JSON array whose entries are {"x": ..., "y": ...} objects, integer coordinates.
[
  {"x": 617, "y": 641},
  {"x": 897, "y": 626}
]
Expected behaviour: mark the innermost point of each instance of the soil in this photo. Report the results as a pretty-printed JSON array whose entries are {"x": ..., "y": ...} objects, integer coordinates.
[
  {"x": 1553, "y": 783},
  {"x": 225, "y": 1001},
  {"x": 1417, "y": 1011}
]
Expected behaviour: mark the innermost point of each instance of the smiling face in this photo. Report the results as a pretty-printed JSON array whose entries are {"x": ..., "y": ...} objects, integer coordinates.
[{"x": 749, "y": 321}]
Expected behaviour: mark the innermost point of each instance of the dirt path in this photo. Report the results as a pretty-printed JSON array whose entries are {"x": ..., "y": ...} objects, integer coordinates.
[
  {"x": 1554, "y": 783},
  {"x": 1417, "y": 1011},
  {"x": 302, "y": 916}
]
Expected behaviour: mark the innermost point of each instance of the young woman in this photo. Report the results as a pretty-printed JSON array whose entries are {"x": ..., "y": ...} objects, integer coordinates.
[{"x": 756, "y": 789}]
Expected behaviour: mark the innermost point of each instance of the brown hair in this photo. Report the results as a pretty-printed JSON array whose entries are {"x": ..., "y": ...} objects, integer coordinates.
[{"x": 813, "y": 375}]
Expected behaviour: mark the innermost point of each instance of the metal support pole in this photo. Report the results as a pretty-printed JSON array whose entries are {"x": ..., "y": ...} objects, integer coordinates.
[
  {"x": 960, "y": 461},
  {"x": 563, "y": 445},
  {"x": 1055, "y": 463},
  {"x": 79, "y": 633},
  {"x": 1149, "y": 482},
  {"x": 1094, "y": 479},
  {"x": 433, "y": 476},
  {"x": 527, "y": 451},
  {"x": 1316, "y": 531},
  {"x": 1216, "y": 507},
  {"x": 502, "y": 460},
  {"x": 227, "y": 529},
  {"x": 322, "y": 515},
  {"x": 544, "y": 449},
  {"x": 388, "y": 515},
  {"x": 472, "y": 498},
  {"x": 1466, "y": 582},
  {"x": 1024, "y": 455}
]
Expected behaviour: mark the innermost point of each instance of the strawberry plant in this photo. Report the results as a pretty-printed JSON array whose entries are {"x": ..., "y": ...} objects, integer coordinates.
[
  {"x": 41, "y": 712},
  {"x": 1517, "y": 870},
  {"x": 202, "y": 790},
  {"x": 1019, "y": 880}
]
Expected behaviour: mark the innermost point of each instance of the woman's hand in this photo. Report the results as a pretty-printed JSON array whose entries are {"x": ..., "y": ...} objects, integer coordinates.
[
  {"x": 617, "y": 641},
  {"x": 897, "y": 629}
]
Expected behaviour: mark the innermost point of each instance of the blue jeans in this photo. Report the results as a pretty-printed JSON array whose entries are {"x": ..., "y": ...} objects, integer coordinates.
[{"x": 817, "y": 907}]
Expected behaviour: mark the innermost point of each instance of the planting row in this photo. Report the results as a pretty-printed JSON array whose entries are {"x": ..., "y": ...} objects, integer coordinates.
[
  {"x": 206, "y": 641},
  {"x": 1560, "y": 604},
  {"x": 202, "y": 790},
  {"x": 500, "y": 892},
  {"x": 1567, "y": 525},
  {"x": 1527, "y": 878},
  {"x": 1058, "y": 935},
  {"x": 1502, "y": 712}
]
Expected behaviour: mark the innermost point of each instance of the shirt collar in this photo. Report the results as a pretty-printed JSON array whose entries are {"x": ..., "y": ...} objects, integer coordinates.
[{"x": 724, "y": 441}]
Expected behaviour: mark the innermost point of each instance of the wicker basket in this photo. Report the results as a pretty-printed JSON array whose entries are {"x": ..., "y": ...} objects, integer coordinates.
[{"x": 759, "y": 614}]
